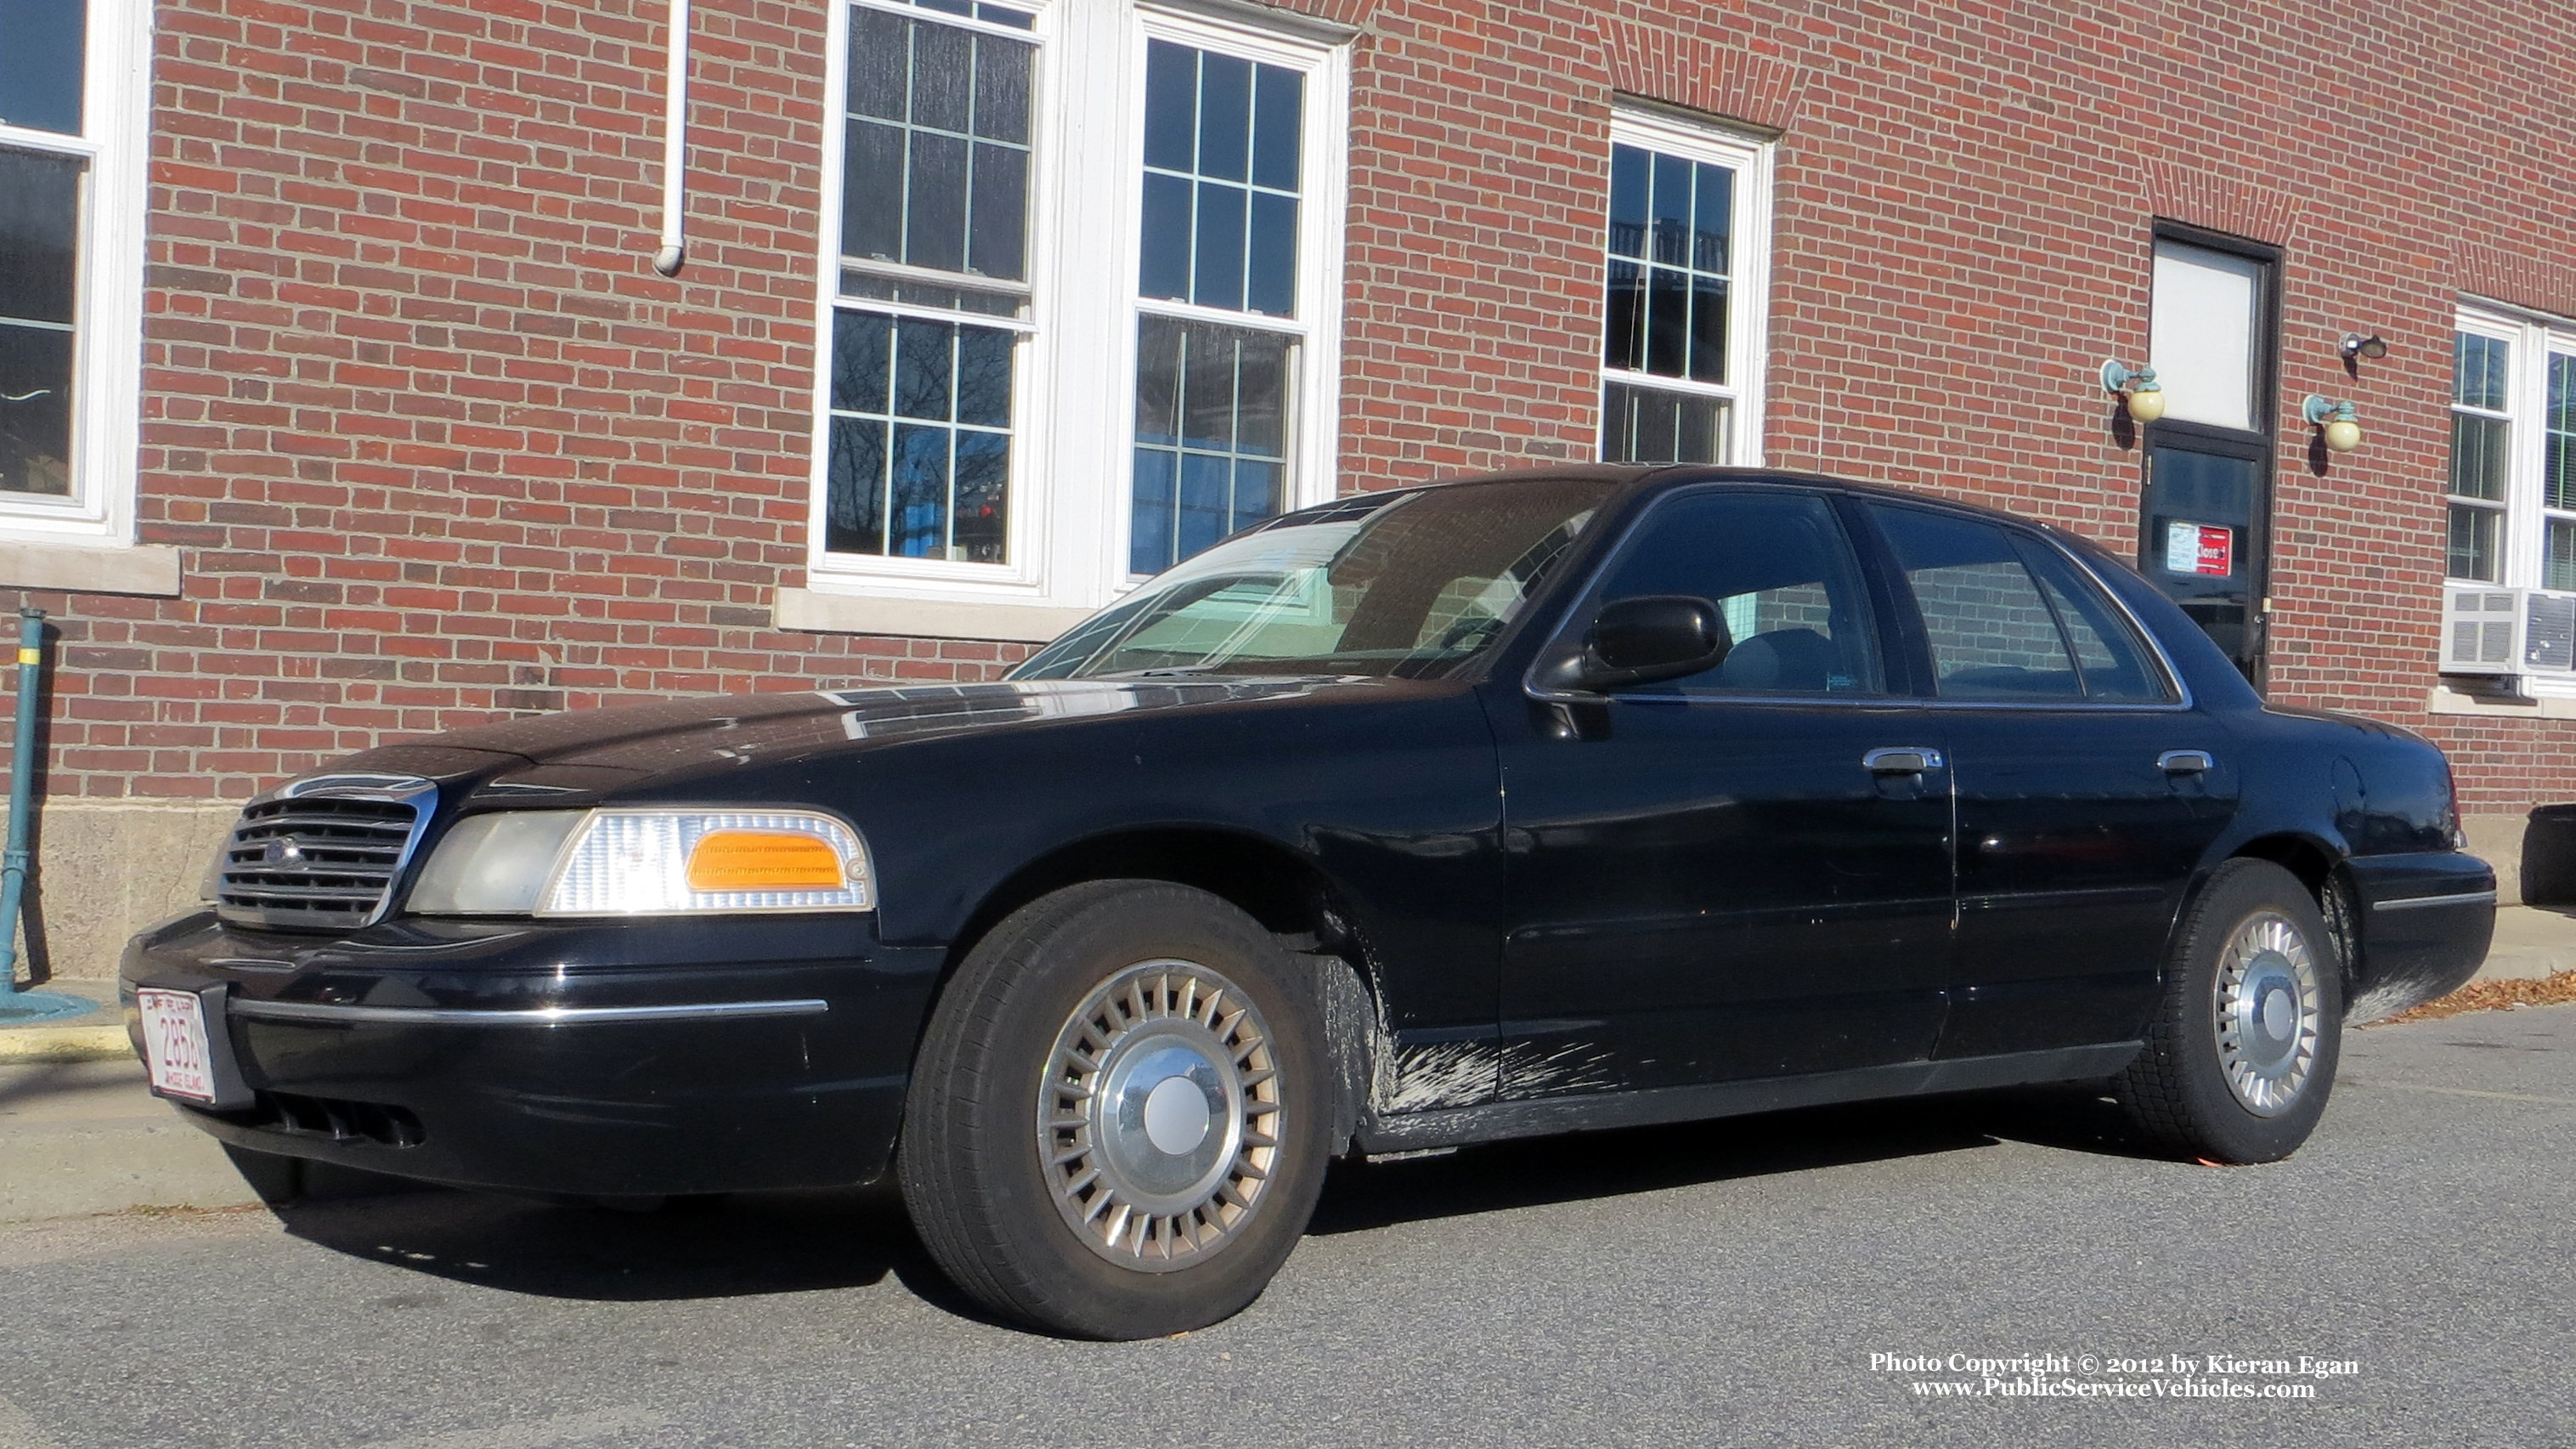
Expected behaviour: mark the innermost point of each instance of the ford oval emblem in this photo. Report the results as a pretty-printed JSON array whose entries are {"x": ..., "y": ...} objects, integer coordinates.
[{"x": 281, "y": 852}]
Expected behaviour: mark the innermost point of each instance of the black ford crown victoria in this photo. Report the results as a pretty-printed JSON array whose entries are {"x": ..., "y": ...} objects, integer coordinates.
[{"x": 1512, "y": 806}]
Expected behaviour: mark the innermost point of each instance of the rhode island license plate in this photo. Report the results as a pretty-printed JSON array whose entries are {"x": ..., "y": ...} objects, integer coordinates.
[{"x": 175, "y": 1049}]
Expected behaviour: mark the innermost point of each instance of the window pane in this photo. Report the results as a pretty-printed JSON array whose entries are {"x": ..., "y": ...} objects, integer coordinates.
[
  {"x": 983, "y": 478},
  {"x": 35, "y": 410},
  {"x": 1992, "y": 635},
  {"x": 1216, "y": 275},
  {"x": 984, "y": 377},
  {"x": 914, "y": 187},
  {"x": 2482, "y": 373},
  {"x": 880, "y": 58},
  {"x": 1149, "y": 532},
  {"x": 1623, "y": 341},
  {"x": 872, "y": 192},
  {"x": 40, "y": 64},
  {"x": 1278, "y": 125},
  {"x": 1158, "y": 382},
  {"x": 932, "y": 480},
  {"x": 854, "y": 518},
  {"x": 2558, "y": 569},
  {"x": 2474, "y": 552},
  {"x": 997, "y": 212},
  {"x": 1708, "y": 330},
  {"x": 1220, "y": 122},
  {"x": 2201, "y": 333},
  {"x": 1669, "y": 211},
  {"x": 917, "y": 523},
  {"x": 1628, "y": 171},
  {"x": 2558, "y": 445},
  {"x": 39, "y": 216},
  {"x": 1712, "y": 218},
  {"x": 1211, "y": 445},
  {"x": 943, "y": 76},
  {"x": 1001, "y": 90},
  {"x": 1272, "y": 285},
  {"x": 934, "y": 233},
  {"x": 923, "y": 351},
  {"x": 1225, "y": 117},
  {"x": 1171, "y": 105},
  {"x": 2108, "y": 650},
  {"x": 1646, "y": 425},
  {"x": 1782, "y": 576},
  {"x": 861, "y": 343},
  {"x": 2478, "y": 456},
  {"x": 1165, "y": 271},
  {"x": 1668, "y": 322}
]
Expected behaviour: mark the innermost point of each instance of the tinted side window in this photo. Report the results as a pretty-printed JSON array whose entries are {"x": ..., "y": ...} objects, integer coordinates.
[
  {"x": 1780, "y": 572},
  {"x": 2113, "y": 660},
  {"x": 1993, "y": 635}
]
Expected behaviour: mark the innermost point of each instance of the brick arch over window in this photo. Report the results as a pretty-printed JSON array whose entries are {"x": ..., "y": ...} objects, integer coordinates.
[
  {"x": 1700, "y": 74},
  {"x": 2543, "y": 286},
  {"x": 1353, "y": 13},
  {"x": 2217, "y": 203}
]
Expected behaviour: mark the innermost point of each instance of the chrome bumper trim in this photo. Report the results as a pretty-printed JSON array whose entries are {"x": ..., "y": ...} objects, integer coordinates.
[
  {"x": 323, "y": 1011},
  {"x": 2417, "y": 903}
]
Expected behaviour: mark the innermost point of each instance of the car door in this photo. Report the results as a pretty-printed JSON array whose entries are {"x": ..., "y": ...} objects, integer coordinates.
[
  {"x": 1707, "y": 879},
  {"x": 2087, "y": 786}
]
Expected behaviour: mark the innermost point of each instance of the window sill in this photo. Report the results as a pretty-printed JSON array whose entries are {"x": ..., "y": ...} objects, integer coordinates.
[
  {"x": 814, "y": 611},
  {"x": 2446, "y": 700},
  {"x": 150, "y": 570}
]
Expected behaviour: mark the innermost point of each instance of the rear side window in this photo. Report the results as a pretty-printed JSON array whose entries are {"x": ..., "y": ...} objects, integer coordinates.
[
  {"x": 1783, "y": 578},
  {"x": 2010, "y": 619}
]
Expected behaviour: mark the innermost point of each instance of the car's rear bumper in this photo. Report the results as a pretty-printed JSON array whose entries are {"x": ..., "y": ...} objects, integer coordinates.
[
  {"x": 2425, "y": 920},
  {"x": 640, "y": 1058}
]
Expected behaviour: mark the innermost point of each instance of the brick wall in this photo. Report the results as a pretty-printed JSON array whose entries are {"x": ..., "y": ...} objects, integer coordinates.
[{"x": 440, "y": 445}]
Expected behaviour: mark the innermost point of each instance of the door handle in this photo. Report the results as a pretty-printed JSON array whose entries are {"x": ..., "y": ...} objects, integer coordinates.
[
  {"x": 1901, "y": 760},
  {"x": 2185, "y": 762}
]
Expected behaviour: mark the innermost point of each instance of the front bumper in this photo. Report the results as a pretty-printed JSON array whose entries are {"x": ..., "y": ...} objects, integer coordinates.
[{"x": 621, "y": 1058}]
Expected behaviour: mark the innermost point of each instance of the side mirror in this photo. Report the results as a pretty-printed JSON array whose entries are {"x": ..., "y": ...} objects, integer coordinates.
[{"x": 1645, "y": 639}]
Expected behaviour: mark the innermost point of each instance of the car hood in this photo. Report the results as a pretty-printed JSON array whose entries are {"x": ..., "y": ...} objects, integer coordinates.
[{"x": 597, "y": 750}]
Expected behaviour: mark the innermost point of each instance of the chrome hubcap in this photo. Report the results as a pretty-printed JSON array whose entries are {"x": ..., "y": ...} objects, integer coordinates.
[
  {"x": 1159, "y": 1118},
  {"x": 2269, "y": 1013}
]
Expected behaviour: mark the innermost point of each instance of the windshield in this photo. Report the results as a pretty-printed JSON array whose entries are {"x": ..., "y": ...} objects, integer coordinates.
[{"x": 1410, "y": 586}]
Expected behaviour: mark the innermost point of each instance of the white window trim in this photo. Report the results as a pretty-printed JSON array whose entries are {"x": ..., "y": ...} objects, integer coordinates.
[
  {"x": 2532, "y": 338},
  {"x": 1073, "y": 405},
  {"x": 1748, "y": 278},
  {"x": 107, "y": 358}
]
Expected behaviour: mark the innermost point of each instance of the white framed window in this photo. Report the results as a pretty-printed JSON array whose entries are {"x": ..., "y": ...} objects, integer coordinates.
[
  {"x": 2512, "y": 482},
  {"x": 1040, "y": 379},
  {"x": 1685, "y": 330},
  {"x": 73, "y": 89}
]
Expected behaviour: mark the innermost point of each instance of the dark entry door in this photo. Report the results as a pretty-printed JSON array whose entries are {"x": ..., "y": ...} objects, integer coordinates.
[
  {"x": 1708, "y": 880},
  {"x": 2205, "y": 537}
]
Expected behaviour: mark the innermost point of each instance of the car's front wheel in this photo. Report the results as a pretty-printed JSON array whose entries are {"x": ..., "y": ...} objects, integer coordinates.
[
  {"x": 2241, "y": 1058},
  {"x": 1115, "y": 1124}
]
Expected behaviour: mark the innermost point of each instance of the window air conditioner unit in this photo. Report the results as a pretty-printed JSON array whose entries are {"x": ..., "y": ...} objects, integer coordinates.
[{"x": 2508, "y": 631}]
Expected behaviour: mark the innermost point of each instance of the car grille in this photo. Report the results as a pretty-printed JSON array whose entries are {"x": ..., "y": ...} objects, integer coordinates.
[{"x": 321, "y": 854}]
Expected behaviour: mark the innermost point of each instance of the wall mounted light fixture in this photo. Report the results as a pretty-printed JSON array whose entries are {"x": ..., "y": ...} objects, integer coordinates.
[
  {"x": 2138, "y": 384},
  {"x": 2356, "y": 345},
  {"x": 2335, "y": 417}
]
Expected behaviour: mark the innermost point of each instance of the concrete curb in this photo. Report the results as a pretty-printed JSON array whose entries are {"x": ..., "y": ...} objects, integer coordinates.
[{"x": 32, "y": 1044}]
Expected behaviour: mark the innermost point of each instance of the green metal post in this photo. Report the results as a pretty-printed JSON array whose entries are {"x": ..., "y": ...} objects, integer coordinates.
[{"x": 22, "y": 784}]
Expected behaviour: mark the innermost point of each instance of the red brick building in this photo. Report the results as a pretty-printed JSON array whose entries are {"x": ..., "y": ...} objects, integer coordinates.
[{"x": 341, "y": 397}]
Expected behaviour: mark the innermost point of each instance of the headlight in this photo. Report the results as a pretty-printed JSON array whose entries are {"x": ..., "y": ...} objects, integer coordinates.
[{"x": 644, "y": 862}]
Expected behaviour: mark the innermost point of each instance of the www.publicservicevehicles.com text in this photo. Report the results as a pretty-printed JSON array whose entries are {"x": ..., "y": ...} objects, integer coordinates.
[{"x": 2112, "y": 1376}]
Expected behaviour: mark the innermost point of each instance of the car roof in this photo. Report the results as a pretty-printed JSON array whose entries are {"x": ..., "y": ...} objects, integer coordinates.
[{"x": 1642, "y": 476}]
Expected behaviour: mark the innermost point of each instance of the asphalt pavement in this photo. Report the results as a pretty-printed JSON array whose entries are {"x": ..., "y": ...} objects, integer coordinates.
[{"x": 1719, "y": 1284}]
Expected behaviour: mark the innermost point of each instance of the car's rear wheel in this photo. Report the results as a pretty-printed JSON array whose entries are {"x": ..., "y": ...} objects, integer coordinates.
[
  {"x": 2241, "y": 1058},
  {"x": 1114, "y": 1128}
]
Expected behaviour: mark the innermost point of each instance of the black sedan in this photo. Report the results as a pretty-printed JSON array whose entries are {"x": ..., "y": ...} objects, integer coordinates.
[{"x": 1520, "y": 805}]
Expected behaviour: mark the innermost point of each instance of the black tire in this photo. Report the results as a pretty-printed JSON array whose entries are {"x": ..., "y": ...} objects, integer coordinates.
[
  {"x": 2222, "y": 1078},
  {"x": 1003, "y": 1219}
]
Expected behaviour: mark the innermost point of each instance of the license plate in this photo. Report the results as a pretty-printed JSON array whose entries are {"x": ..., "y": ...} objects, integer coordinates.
[{"x": 175, "y": 1050}]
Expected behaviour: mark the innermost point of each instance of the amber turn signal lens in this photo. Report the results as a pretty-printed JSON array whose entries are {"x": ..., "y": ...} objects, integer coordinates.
[{"x": 759, "y": 860}]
